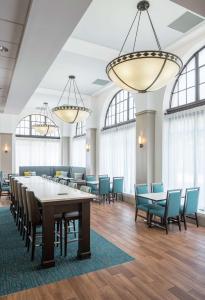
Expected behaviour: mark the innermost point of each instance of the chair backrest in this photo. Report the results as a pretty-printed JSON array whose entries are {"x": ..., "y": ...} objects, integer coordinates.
[
  {"x": 173, "y": 203},
  {"x": 63, "y": 181},
  {"x": 23, "y": 193},
  {"x": 19, "y": 194},
  {"x": 191, "y": 200},
  {"x": 15, "y": 190},
  {"x": 118, "y": 184},
  {"x": 157, "y": 187},
  {"x": 34, "y": 215},
  {"x": 72, "y": 185},
  {"x": 104, "y": 186},
  {"x": 90, "y": 178},
  {"x": 141, "y": 189},
  {"x": 102, "y": 176},
  {"x": 85, "y": 188}
]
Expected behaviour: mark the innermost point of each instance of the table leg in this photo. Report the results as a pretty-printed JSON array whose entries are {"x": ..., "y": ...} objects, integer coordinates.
[
  {"x": 84, "y": 232},
  {"x": 48, "y": 238}
]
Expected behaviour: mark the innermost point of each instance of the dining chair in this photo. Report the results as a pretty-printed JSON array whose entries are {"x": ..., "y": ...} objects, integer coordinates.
[
  {"x": 104, "y": 189},
  {"x": 25, "y": 215},
  {"x": 70, "y": 228},
  {"x": 102, "y": 176},
  {"x": 89, "y": 178},
  {"x": 158, "y": 187},
  {"x": 170, "y": 211},
  {"x": 190, "y": 207},
  {"x": 21, "y": 208},
  {"x": 73, "y": 185},
  {"x": 85, "y": 188},
  {"x": 117, "y": 187},
  {"x": 35, "y": 224},
  {"x": 4, "y": 187},
  {"x": 13, "y": 202},
  {"x": 63, "y": 181},
  {"x": 142, "y": 203}
]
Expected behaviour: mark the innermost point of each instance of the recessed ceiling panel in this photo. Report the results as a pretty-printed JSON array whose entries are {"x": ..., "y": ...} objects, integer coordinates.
[{"x": 186, "y": 22}]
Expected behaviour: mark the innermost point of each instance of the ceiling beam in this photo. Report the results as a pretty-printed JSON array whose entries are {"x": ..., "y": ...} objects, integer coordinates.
[
  {"x": 197, "y": 6},
  {"x": 49, "y": 25}
]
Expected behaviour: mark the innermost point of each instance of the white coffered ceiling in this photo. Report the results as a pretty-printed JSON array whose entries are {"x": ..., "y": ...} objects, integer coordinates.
[
  {"x": 13, "y": 15},
  {"x": 95, "y": 40}
]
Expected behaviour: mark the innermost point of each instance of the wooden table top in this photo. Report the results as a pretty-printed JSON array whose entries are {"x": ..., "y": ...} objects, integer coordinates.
[{"x": 48, "y": 191}]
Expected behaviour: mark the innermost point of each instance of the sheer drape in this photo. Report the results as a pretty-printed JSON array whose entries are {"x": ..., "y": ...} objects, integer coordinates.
[
  {"x": 117, "y": 154},
  {"x": 184, "y": 151},
  {"x": 78, "y": 154},
  {"x": 37, "y": 152}
]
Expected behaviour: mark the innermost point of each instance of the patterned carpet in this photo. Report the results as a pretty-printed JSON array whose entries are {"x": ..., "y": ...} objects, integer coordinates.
[{"x": 17, "y": 272}]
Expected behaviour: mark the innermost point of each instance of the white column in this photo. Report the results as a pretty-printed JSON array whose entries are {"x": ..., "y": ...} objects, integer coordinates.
[{"x": 91, "y": 151}]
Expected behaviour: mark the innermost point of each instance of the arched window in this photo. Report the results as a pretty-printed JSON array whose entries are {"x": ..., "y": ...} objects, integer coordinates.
[
  {"x": 189, "y": 87},
  {"x": 121, "y": 110},
  {"x": 25, "y": 127},
  {"x": 80, "y": 128},
  {"x": 184, "y": 129},
  {"x": 118, "y": 140}
]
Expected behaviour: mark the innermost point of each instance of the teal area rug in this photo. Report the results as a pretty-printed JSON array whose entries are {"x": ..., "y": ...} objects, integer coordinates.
[{"x": 17, "y": 272}]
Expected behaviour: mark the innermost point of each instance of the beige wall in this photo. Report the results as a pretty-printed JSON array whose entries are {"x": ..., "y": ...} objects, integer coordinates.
[{"x": 6, "y": 158}]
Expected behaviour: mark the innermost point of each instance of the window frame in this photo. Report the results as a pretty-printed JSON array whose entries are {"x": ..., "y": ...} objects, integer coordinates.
[
  {"x": 197, "y": 102},
  {"x": 30, "y": 135},
  {"x": 118, "y": 124},
  {"x": 82, "y": 129}
]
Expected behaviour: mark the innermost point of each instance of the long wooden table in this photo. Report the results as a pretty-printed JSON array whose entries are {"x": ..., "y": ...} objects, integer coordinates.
[{"x": 58, "y": 198}]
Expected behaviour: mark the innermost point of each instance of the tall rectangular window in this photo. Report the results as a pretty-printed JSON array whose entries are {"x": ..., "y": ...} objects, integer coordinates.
[
  {"x": 184, "y": 151},
  {"x": 117, "y": 154},
  {"x": 37, "y": 152}
]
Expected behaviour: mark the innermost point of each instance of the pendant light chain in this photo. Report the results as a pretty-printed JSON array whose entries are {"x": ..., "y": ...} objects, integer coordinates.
[
  {"x": 63, "y": 92},
  {"x": 137, "y": 31},
  {"x": 155, "y": 34},
  {"x": 79, "y": 94},
  {"x": 128, "y": 33}
]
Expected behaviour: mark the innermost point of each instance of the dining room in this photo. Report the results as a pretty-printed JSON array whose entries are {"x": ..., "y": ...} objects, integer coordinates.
[{"x": 102, "y": 142}]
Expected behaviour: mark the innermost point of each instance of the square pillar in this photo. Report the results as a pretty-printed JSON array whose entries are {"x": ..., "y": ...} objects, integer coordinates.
[
  {"x": 145, "y": 155},
  {"x": 91, "y": 151}
]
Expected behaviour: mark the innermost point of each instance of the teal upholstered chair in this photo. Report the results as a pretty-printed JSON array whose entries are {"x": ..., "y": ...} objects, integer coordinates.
[
  {"x": 104, "y": 189},
  {"x": 142, "y": 204},
  {"x": 158, "y": 187},
  {"x": 170, "y": 211},
  {"x": 4, "y": 187},
  {"x": 102, "y": 176},
  {"x": 117, "y": 187},
  {"x": 190, "y": 207},
  {"x": 93, "y": 187}
]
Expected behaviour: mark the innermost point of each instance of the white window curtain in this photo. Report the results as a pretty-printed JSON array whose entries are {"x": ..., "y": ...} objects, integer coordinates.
[
  {"x": 37, "y": 152},
  {"x": 118, "y": 154},
  {"x": 184, "y": 151},
  {"x": 78, "y": 153}
]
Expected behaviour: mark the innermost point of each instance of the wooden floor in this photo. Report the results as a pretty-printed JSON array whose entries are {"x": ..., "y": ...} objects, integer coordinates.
[{"x": 165, "y": 267}]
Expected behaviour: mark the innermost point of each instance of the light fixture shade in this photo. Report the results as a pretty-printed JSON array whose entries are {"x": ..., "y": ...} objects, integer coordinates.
[
  {"x": 143, "y": 71},
  {"x": 44, "y": 129},
  {"x": 71, "y": 113}
]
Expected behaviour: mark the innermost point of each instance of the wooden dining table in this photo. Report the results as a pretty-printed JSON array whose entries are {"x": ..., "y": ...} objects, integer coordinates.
[{"x": 56, "y": 198}]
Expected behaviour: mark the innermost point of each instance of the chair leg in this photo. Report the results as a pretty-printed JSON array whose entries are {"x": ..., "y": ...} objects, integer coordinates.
[
  {"x": 179, "y": 223},
  {"x": 185, "y": 225},
  {"x": 136, "y": 212},
  {"x": 65, "y": 237},
  {"x": 166, "y": 225},
  {"x": 61, "y": 238},
  {"x": 197, "y": 221},
  {"x": 33, "y": 242},
  {"x": 74, "y": 228}
]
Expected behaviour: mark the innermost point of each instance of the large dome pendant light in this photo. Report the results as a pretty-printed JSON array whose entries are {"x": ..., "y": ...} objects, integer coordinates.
[
  {"x": 71, "y": 113},
  {"x": 46, "y": 127},
  {"x": 143, "y": 71}
]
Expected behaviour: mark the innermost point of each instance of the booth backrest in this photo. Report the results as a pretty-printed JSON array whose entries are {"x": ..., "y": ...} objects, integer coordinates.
[{"x": 51, "y": 170}]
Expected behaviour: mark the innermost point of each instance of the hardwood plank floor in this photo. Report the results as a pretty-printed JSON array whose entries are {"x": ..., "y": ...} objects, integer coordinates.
[{"x": 165, "y": 267}]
